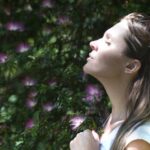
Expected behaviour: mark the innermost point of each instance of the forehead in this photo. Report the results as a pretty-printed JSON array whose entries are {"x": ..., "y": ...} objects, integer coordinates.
[{"x": 119, "y": 30}]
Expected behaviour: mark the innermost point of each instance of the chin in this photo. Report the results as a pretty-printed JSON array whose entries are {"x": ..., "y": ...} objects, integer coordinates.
[
  {"x": 97, "y": 74},
  {"x": 87, "y": 69}
]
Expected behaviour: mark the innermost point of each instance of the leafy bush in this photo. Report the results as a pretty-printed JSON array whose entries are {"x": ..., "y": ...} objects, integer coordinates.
[{"x": 45, "y": 98}]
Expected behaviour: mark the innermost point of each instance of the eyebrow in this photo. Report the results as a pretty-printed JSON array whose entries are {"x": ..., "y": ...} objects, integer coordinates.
[{"x": 108, "y": 35}]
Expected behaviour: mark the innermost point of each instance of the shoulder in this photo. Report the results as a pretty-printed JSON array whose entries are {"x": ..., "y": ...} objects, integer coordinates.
[
  {"x": 140, "y": 135},
  {"x": 138, "y": 145}
]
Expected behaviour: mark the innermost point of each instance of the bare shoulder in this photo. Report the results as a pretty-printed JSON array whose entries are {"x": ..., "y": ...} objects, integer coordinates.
[{"x": 138, "y": 145}]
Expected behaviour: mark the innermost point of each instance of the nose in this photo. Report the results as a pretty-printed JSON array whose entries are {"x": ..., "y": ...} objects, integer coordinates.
[{"x": 93, "y": 45}]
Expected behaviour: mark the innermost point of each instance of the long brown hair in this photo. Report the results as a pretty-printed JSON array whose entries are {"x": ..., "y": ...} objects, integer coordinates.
[{"x": 138, "y": 104}]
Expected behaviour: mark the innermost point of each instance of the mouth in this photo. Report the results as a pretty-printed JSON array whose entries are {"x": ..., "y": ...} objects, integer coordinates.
[{"x": 90, "y": 57}]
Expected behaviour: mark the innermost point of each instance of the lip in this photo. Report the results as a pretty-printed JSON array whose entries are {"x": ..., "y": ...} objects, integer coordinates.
[{"x": 90, "y": 57}]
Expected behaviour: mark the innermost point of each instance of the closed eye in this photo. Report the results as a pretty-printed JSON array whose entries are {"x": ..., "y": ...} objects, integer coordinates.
[
  {"x": 108, "y": 43},
  {"x": 107, "y": 37}
]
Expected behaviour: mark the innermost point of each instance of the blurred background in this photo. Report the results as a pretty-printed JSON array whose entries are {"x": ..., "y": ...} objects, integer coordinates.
[{"x": 45, "y": 97}]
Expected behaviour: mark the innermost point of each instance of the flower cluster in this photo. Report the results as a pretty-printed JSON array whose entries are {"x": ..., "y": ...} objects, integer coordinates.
[
  {"x": 63, "y": 20},
  {"x": 15, "y": 26},
  {"x": 29, "y": 123},
  {"x": 22, "y": 47},
  {"x": 76, "y": 121},
  {"x": 28, "y": 81},
  {"x": 3, "y": 58},
  {"x": 47, "y": 4},
  {"x": 31, "y": 102},
  {"x": 93, "y": 93}
]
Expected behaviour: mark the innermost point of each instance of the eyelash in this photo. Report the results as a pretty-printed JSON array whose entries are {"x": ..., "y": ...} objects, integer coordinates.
[{"x": 108, "y": 43}]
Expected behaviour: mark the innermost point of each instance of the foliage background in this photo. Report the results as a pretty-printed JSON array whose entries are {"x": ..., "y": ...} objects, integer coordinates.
[{"x": 44, "y": 94}]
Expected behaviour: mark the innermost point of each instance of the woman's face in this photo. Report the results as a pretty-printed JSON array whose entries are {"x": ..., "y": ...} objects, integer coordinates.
[{"x": 107, "y": 58}]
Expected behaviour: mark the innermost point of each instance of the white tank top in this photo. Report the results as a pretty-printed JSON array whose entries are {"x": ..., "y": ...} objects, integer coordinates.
[{"x": 142, "y": 132}]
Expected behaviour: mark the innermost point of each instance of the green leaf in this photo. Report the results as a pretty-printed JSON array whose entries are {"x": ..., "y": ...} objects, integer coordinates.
[
  {"x": 52, "y": 40},
  {"x": 13, "y": 98},
  {"x": 18, "y": 143}
]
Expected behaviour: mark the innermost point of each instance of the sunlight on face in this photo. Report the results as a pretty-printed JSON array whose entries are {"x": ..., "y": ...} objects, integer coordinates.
[{"x": 107, "y": 58}]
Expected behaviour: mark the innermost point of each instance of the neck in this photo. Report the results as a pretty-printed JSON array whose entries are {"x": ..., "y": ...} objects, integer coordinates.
[{"x": 117, "y": 90}]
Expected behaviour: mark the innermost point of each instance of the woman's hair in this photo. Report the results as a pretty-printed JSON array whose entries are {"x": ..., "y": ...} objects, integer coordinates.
[{"x": 138, "y": 98}]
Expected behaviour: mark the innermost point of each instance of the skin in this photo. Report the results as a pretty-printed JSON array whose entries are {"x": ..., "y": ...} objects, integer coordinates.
[
  {"x": 107, "y": 53},
  {"x": 109, "y": 65},
  {"x": 138, "y": 145},
  {"x": 86, "y": 140}
]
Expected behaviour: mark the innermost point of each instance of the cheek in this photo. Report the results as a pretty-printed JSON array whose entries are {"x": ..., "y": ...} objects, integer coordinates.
[
  {"x": 109, "y": 59},
  {"x": 110, "y": 64}
]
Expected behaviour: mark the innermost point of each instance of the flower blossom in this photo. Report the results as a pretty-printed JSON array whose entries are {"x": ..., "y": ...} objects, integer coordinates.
[
  {"x": 63, "y": 20},
  {"x": 93, "y": 92},
  {"x": 52, "y": 82},
  {"x": 30, "y": 103},
  {"x": 76, "y": 121},
  {"x": 15, "y": 26},
  {"x": 32, "y": 94},
  {"x": 3, "y": 58},
  {"x": 48, "y": 107},
  {"x": 29, "y": 124},
  {"x": 47, "y": 4},
  {"x": 22, "y": 47},
  {"x": 28, "y": 81}
]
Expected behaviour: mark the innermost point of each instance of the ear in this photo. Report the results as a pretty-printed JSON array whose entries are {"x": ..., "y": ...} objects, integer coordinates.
[{"x": 133, "y": 66}]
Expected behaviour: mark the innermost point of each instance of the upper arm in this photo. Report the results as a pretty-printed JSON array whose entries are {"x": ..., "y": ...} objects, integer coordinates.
[{"x": 138, "y": 145}]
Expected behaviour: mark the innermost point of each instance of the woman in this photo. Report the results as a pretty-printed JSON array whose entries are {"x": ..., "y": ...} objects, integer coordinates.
[{"x": 120, "y": 60}]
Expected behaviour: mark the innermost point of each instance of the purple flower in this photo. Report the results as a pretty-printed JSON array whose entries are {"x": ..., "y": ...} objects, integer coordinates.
[
  {"x": 30, "y": 103},
  {"x": 28, "y": 81},
  {"x": 32, "y": 94},
  {"x": 48, "y": 107},
  {"x": 93, "y": 92},
  {"x": 3, "y": 58},
  {"x": 63, "y": 20},
  {"x": 47, "y": 4},
  {"x": 76, "y": 121},
  {"x": 22, "y": 47},
  {"x": 15, "y": 26},
  {"x": 52, "y": 82},
  {"x": 29, "y": 124}
]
